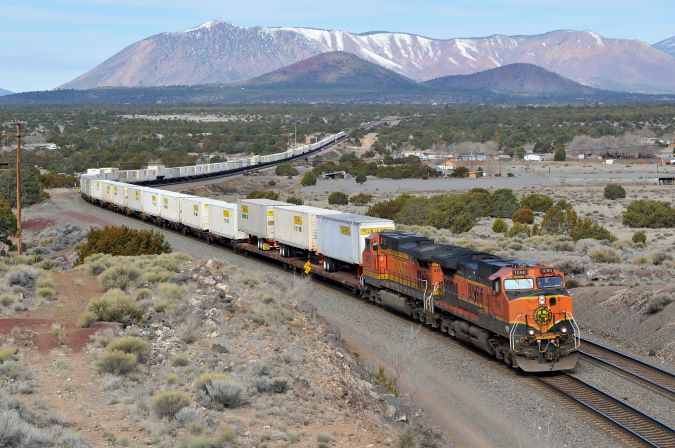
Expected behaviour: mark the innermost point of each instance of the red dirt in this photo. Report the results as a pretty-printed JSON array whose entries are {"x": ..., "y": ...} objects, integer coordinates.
[
  {"x": 37, "y": 224},
  {"x": 85, "y": 218},
  {"x": 39, "y": 332}
]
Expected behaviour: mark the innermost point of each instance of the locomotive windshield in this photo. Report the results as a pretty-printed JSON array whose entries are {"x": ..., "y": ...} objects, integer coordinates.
[
  {"x": 518, "y": 284},
  {"x": 550, "y": 282}
]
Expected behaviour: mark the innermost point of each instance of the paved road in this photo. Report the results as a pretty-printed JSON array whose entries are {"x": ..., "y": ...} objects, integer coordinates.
[{"x": 470, "y": 397}]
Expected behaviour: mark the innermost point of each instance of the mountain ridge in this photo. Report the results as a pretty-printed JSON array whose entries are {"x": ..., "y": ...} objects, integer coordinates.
[
  {"x": 221, "y": 52},
  {"x": 666, "y": 46},
  {"x": 5, "y": 92}
]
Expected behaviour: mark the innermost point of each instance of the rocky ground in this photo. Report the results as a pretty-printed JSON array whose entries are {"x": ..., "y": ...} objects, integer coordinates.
[{"x": 220, "y": 356}]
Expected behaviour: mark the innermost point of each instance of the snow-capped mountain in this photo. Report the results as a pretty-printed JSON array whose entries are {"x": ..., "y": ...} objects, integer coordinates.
[
  {"x": 667, "y": 46},
  {"x": 219, "y": 52}
]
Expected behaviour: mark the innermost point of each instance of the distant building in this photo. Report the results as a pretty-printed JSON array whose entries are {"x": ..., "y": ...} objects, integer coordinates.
[
  {"x": 336, "y": 175},
  {"x": 533, "y": 157},
  {"x": 474, "y": 157}
]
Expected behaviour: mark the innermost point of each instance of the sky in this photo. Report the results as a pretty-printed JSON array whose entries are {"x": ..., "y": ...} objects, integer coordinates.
[{"x": 45, "y": 43}]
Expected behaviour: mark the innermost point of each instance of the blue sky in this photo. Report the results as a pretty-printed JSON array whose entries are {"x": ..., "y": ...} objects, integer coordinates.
[{"x": 44, "y": 43}]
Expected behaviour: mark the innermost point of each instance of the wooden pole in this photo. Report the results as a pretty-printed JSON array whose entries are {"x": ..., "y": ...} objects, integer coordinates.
[{"x": 19, "y": 136}]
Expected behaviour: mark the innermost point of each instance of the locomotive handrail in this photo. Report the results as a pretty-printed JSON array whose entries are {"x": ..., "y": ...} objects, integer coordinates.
[
  {"x": 577, "y": 331},
  {"x": 512, "y": 333}
]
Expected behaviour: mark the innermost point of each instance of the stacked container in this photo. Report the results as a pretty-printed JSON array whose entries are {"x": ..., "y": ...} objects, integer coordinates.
[
  {"x": 296, "y": 225},
  {"x": 256, "y": 217},
  {"x": 169, "y": 207},
  {"x": 343, "y": 237},
  {"x": 135, "y": 197}
]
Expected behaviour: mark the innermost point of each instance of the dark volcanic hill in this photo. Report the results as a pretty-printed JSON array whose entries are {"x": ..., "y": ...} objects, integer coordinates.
[
  {"x": 336, "y": 69},
  {"x": 667, "y": 46},
  {"x": 221, "y": 52},
  {"x": 514, "y": 79},
  {"x": 5, "y": 92}
]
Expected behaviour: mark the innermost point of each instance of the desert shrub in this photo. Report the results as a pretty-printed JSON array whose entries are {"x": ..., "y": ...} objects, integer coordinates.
[
  {"x": 536, "y": 230},
  {"x": 360, "y": 178},
  {"x": 338, "y": 198},
  {"x": 46, "y": 292},
  {"x": 537, "y": 202},
  {"x": 648, "y": 213},
  {"x": 87, "y": 319},
  {"x": 517, "y": 229},
  {"x": 122, "y": 241},
  {"x": 170, "y": 262},
  {"x": 24, "y": 276},
  {"x": 503, "y": 203},
  {"x": 170, "y": 291},
  {"x": 360, "y": 199},
  {"x": 95, "y": 267},
  {"x": 589, "y": 229},
  {"x": 614, "y": 191},
  {"x": 460, "y": 171},
  {"x": 131, "y": 344},
  {"x": 115, "y": 306},
  {"x": 117, "y": 362},
  {"x": 642, "y": 259},
  {"x": 180, "y": 361},
  {"x": 267, "y": 385},
  {"x": 155, "y": 276},
  {"x": 258, "y": 194},
  {"x": 523, "y": 216},
  {"x": 658, "y": 303},
  {"x": 604, "y": 255},
  {"x": 571, "y": 283},
  {"x": 286, "y": 169},
  {"x": 407, "y": 439},
  {"x": 660, "y": 257},
  {"x": 500, "y": 226},
  {"x": 120, "y": 276},
  {"x": 640, "y": 237},
  {"x": 7, "y": 353},
  {"x": 167, "y": 403},
  {"x": 7, "y": 299},
  {"x": 295, "y": 200},
  {"x": 217, "y": 389},
  {"x": 220, "y": 438},
  {"x": 571, "y": 266},
  {"x": 558, "y": 221},
  {"x": 308, "y": 179}
]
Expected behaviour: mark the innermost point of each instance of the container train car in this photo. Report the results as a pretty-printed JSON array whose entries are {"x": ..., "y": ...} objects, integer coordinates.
[{"x": 158, "y": 174}]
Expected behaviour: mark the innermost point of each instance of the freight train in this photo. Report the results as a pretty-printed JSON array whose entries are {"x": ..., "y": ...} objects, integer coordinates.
[
  {"x": 515, "y": 310},
  {"x": 159, "y": 174}
]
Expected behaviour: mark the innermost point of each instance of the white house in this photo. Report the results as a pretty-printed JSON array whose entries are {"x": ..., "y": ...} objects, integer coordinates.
[{"x": 533, "y": 157}]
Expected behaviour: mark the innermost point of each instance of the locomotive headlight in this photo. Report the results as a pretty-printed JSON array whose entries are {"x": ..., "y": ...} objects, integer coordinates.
[
  {"x": 564, "y": 329},
  {"x": 530, "y": 332},
  {"x": 542, "y": 300}
]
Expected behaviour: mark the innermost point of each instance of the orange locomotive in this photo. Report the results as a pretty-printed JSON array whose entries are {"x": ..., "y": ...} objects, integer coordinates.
[{"x": 517, "y": 311}]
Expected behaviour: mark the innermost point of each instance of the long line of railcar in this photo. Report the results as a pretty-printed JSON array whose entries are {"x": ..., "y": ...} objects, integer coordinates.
[
  {"x": 517, "y": 311},
  {"x": 159, "y": 174}
]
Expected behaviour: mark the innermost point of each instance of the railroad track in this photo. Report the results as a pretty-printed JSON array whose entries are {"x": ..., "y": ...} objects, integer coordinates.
[
  {"x": 653, "y": 376},
  {"x": 636, "y": 423}
]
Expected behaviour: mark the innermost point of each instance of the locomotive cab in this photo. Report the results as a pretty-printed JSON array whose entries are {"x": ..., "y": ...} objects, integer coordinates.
[{"x": 542, "y": 332}]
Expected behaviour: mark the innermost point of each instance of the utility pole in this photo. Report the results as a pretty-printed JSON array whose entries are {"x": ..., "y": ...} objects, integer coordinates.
[{"x": 19, "y": 134}]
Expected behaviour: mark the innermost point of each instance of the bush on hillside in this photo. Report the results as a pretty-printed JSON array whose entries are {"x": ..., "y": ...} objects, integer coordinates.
[
  {"x": 130, "y": 344},
  {"x": 115, "y": 306},
  {"x": 604, "y": 255},
  {"x": 117, "y": 362},
  {"x": 460, "y": 171},
  {"x": 503, "y": 203},
  {"x": 499, "y": 226},
  {"x": 523, "y": 216},
  {"x": 286, "y": 169},
  {"x": 167, "y": 403},
  {"x": 558, "y": 221},
  {"x": 338, "y": 198},
  {"x": 308, "y": 179},
  {"x": 360, "y": 199},
  {"x": 537, "y": 202},
  {"x": 295, "y": 200},
  {"x": 649, "y": 213},
  {"x": 360, "y": 178},
  {"x": 122, "y": 241},
  {"x": 640, "y": 237},
  {"x": 614, "y": 191},
  {"x": 120, "y": 276},
  {"x": 589, "y": 229},
  {"x": 518, "y": 229}
]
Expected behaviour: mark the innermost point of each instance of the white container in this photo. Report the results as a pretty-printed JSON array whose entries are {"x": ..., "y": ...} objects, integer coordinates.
[
  {"x": 169, "y": 205},
  {"x": 295, "y": 225},
  {"x": 193, "y": 212},
  {"x": 343, "y": 237},
  {"x": 222, "y": 219},
  {"x": 113, "y": 193},
  {"x": 150, "y": 200},
  {"x": 256, "y": 217},
  {"x": 135, "y": 197},
  {"x": 96, "y": 188}
]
